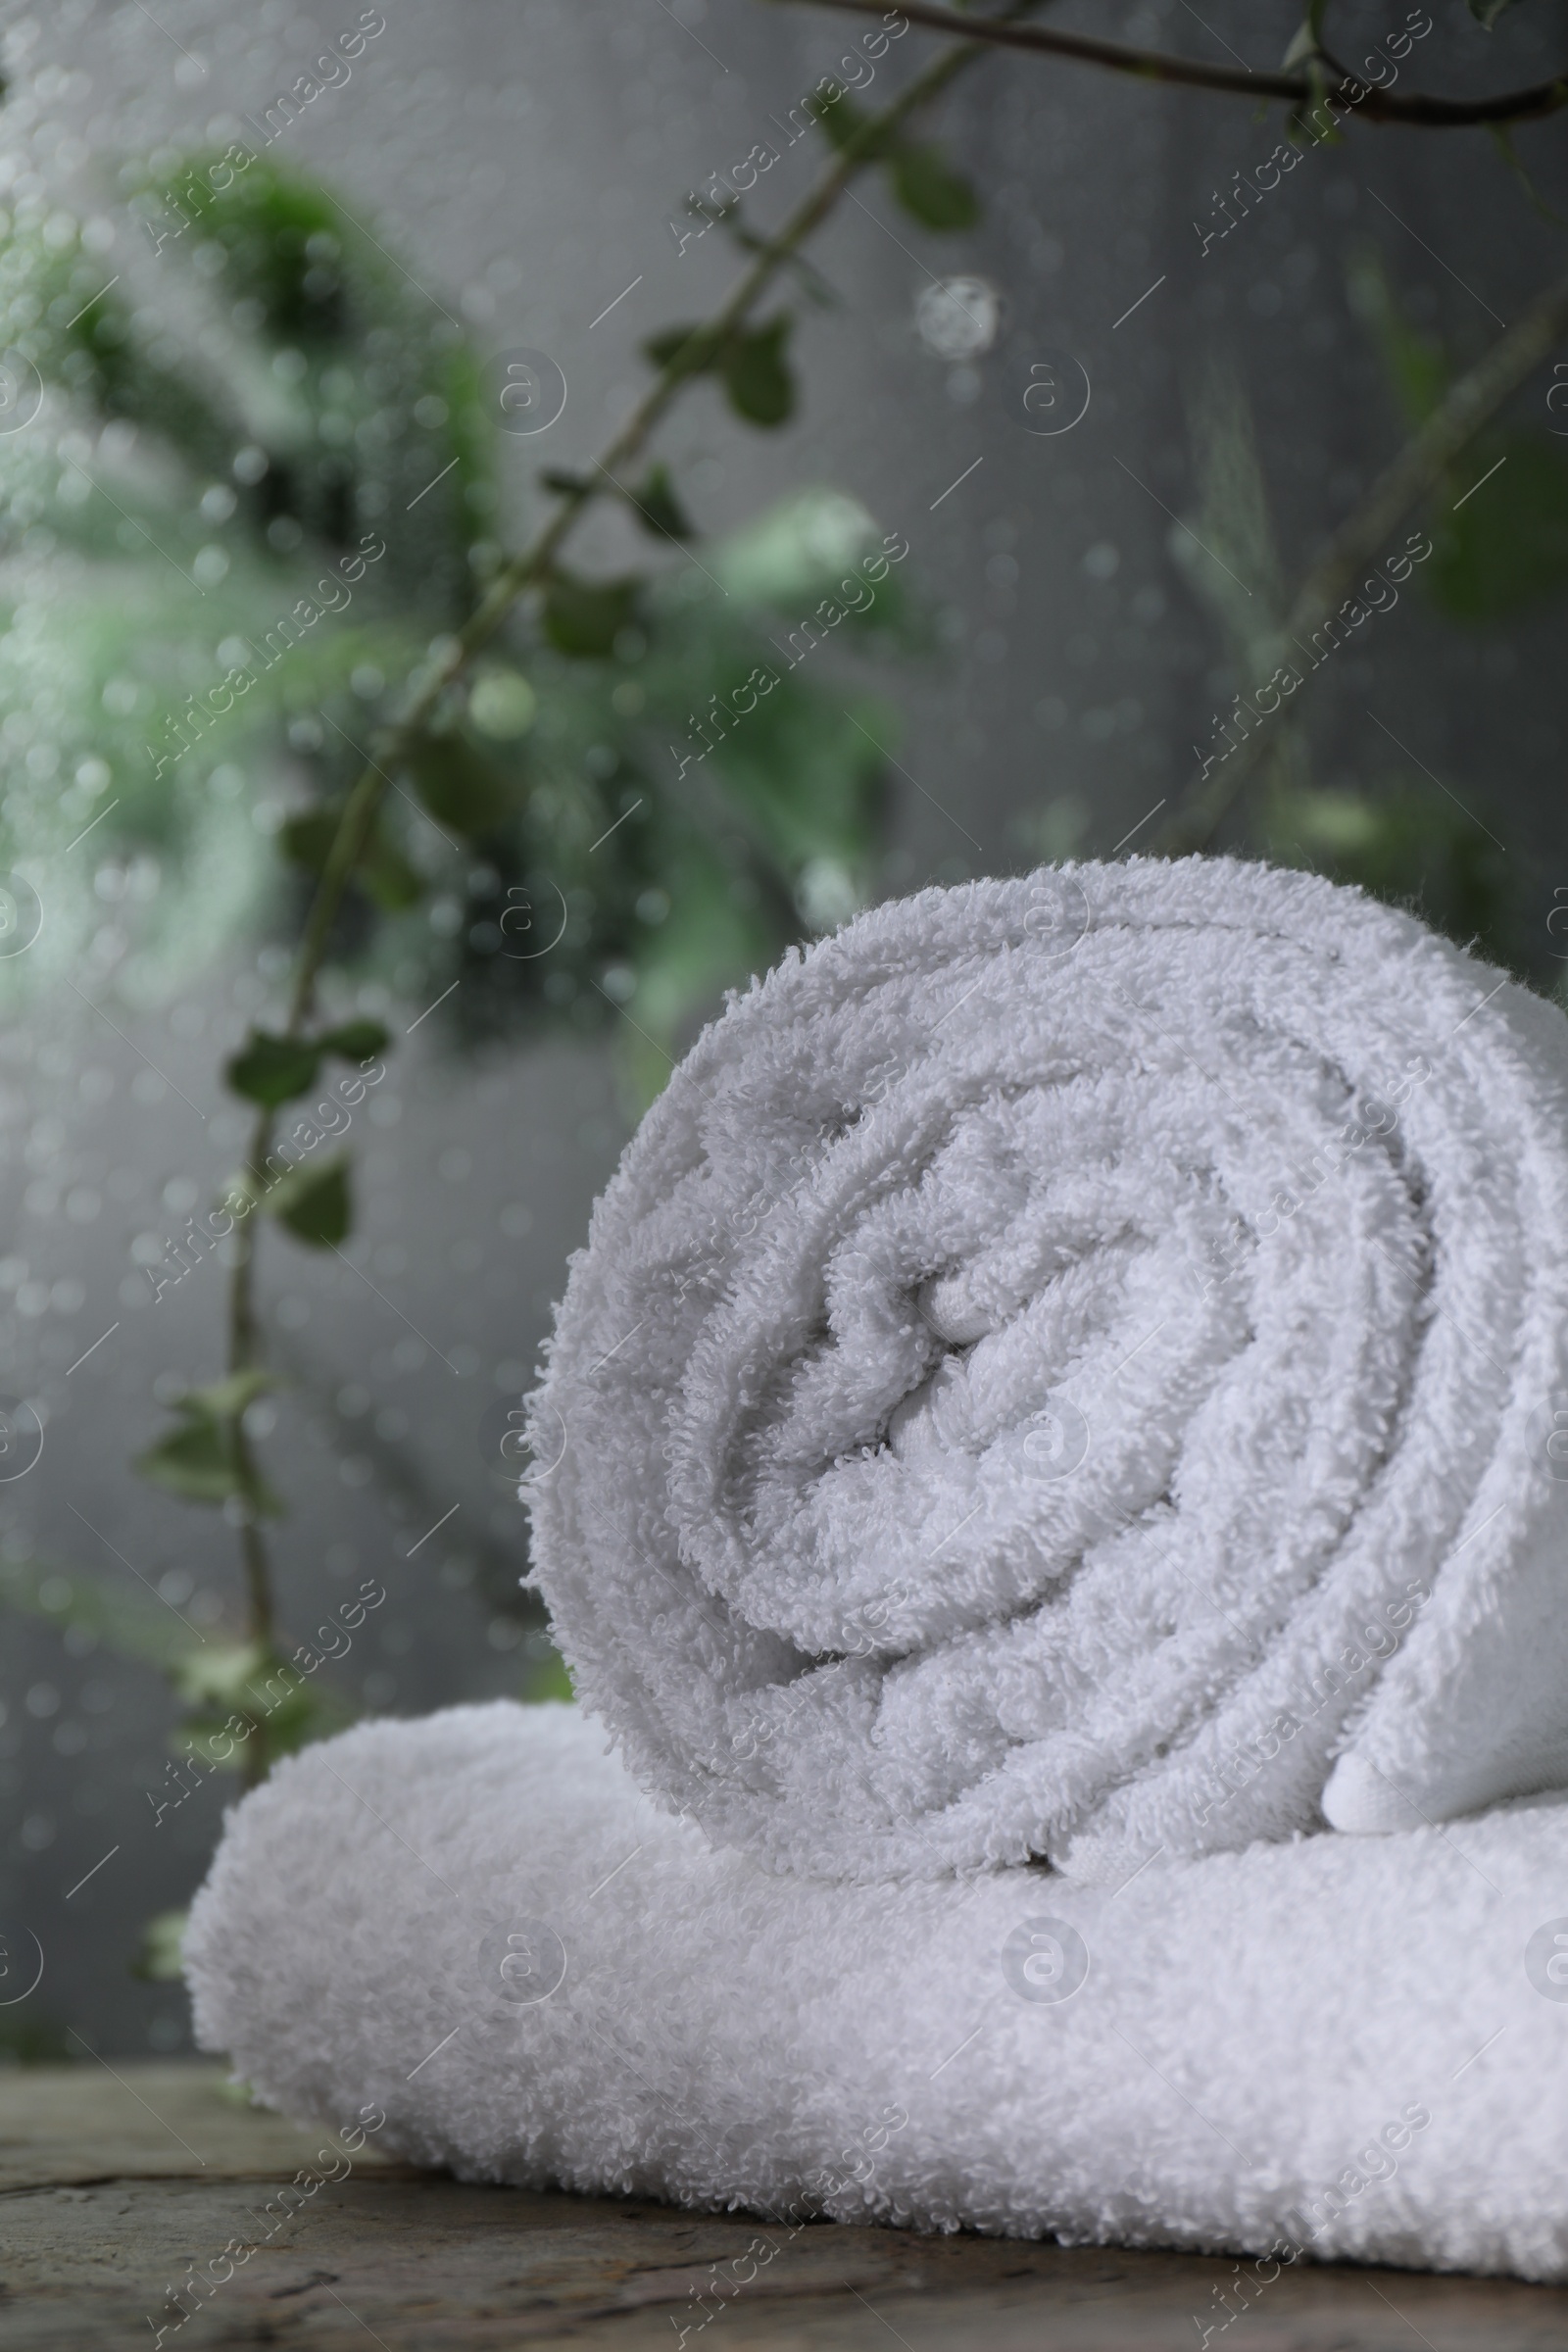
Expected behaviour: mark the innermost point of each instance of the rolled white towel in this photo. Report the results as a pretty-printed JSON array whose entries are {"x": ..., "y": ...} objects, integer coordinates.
[
  {"x": 1070, "y": 1367},
  {"x": 1337, "y": 2048}
]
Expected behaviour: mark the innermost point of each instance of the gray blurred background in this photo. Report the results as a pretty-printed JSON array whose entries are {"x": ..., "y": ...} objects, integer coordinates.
[{"x": 524, "y": 156}]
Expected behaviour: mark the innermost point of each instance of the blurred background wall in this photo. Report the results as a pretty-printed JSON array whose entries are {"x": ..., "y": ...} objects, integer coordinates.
[{"x": 524, "y": 158}]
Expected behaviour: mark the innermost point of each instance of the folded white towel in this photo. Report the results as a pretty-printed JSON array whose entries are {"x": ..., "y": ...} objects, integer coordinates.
[
  {"x": 1074, "y": 1367},
  {"x": 1337, "y": 2048}
]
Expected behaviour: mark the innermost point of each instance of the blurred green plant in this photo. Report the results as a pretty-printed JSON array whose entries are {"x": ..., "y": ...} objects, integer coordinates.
[
  {"x": 1493, "y": 555},
  {"x": 261, "y": 644},
  {"x": 35, "y": 2040},
  {"x": 247, "y": 535},
  {"x": 1400, "y": 834},
  {"x": 160, "y": 1958}
]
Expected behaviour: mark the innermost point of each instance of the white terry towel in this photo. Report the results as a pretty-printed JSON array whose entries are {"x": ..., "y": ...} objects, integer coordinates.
[
  {"x": 1075, "y": 1367},
  {"x": 1339, "y": 2048}
]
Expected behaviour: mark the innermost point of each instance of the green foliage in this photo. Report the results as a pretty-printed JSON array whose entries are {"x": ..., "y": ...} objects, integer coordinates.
[
  {"x": 585, "y": 616},
  {"x": 355, "y": 1041},
  {"x": 160, "y": 1957},
  {"x": 1402, "y": 837},
  {"x": 1315, "y": 123},
  {"x": 1505, "y": 548},
  {"x": 931, "y": 191},
  {"x": 34, "y": 2040},
  {"x": 1416, "y": 364},
  {"x": 218, "y": 1681},
  {"x": 501, "y": 704},
  {"x": 757, "y": 375},
  {"x": 242, "y": 1701},
  {"x": 460, "y": 784},
  {"x": 642, "y": 873},
  {"x": 749, "y": 363},
  {"x": 268, "y": 481},
  {"x": 274, "y": 1069},
  {"x": 1499, "y": 526},
  {"x": 315, "y": 1203},
  {"x": 1307, "y": 39},
  {"x": 693, "y": 346},
  {"x": 124, "y": 1618},
  {"x": 1405, "y": 843},
  {"x": 201, "y": 1460},
  {"x": 224, "y": 1399},
  {"x": 1501, "y": 138},
  {"x": 383, "y": 872},
  {"x": 234, "y": 460},
  {"x": 208, "y": 481},
  {"x": 547, "y": 1678},
  {"x": 658, "y": 508},
  {"x": 921, "y": 178},
  {"x": 214, "y": 1677},
  {"x": 1231, "y": 557},
  {"x": 195, "y": 1462},
  {"x": 1486, "y": 12}
]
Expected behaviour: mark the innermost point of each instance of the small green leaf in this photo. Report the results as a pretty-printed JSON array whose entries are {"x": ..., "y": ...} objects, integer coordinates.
[
  {"x": 306, "y": 840},
  {"x": 751, "y": 365},
  {"x": 383, "y": 873},
  {"x": 565, "y": 485},
  {"x": 1502, "y": 138},
  {"x": 923, "y": 182},
  {"x": 195, "y": 1462},
  {"x": 697, "y": 345},
  {"x": 272, "y": 1694},
  {"x": 928, "y": 187},
  {"x": 212, "y": 1740},
  {"x": 35, "y": 2041},
  {"x": 356, "y": 1041},
  {"x": 1504, "y": 543},
  {"x": 214, "y": 1677},
  {"x": 160, "y": 1959},
  {"x": 584, "y": 617},
  {"x": 221, "y": 1399},
  {"x": 501, "y": 705},
  {"x": 1320, "y": 119},
  {"x": 658, "y": 509},
  {"x": 274, "y": 1069},
  {"x": 199, "y": 1461},
  {"x": 1486, "y": 12},
  {"x": 545, "y": 1678},
  {"x": 459, "y": 786},
  {"x": 794, "y": 552},
  {"x": 291, "y": 1711},
  {"x": 840, "y": 120},
  {"x": 122, "y": 1617},
  {"x": 314, "y": 1205},
  {"x": 1416, "y": 363},
  {"x": 385, "y": 876},
  {"x": 756, "y": 374}
]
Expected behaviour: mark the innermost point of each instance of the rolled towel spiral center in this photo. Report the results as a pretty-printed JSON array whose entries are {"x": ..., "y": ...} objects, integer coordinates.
[{"x": 1063, "y": 1360}]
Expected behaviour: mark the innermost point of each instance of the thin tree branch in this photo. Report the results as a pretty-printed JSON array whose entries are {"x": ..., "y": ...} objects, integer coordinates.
[
  {"x": 1420, "y": 465},
  {"x": 1349, "y": 95}
]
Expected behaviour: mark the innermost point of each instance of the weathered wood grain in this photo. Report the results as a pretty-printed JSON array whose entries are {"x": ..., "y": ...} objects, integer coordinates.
[{"x": 117, "y": 2184}]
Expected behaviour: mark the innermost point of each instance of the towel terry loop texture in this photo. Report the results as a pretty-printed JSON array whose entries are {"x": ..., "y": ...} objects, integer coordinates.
[
  {"x": 1058, "y": 1432},
  {"x": 1067, "y": 1368}
]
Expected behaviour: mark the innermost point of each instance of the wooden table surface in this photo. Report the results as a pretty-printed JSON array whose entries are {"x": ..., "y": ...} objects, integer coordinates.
[{"x": 115, "y": 2183}]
